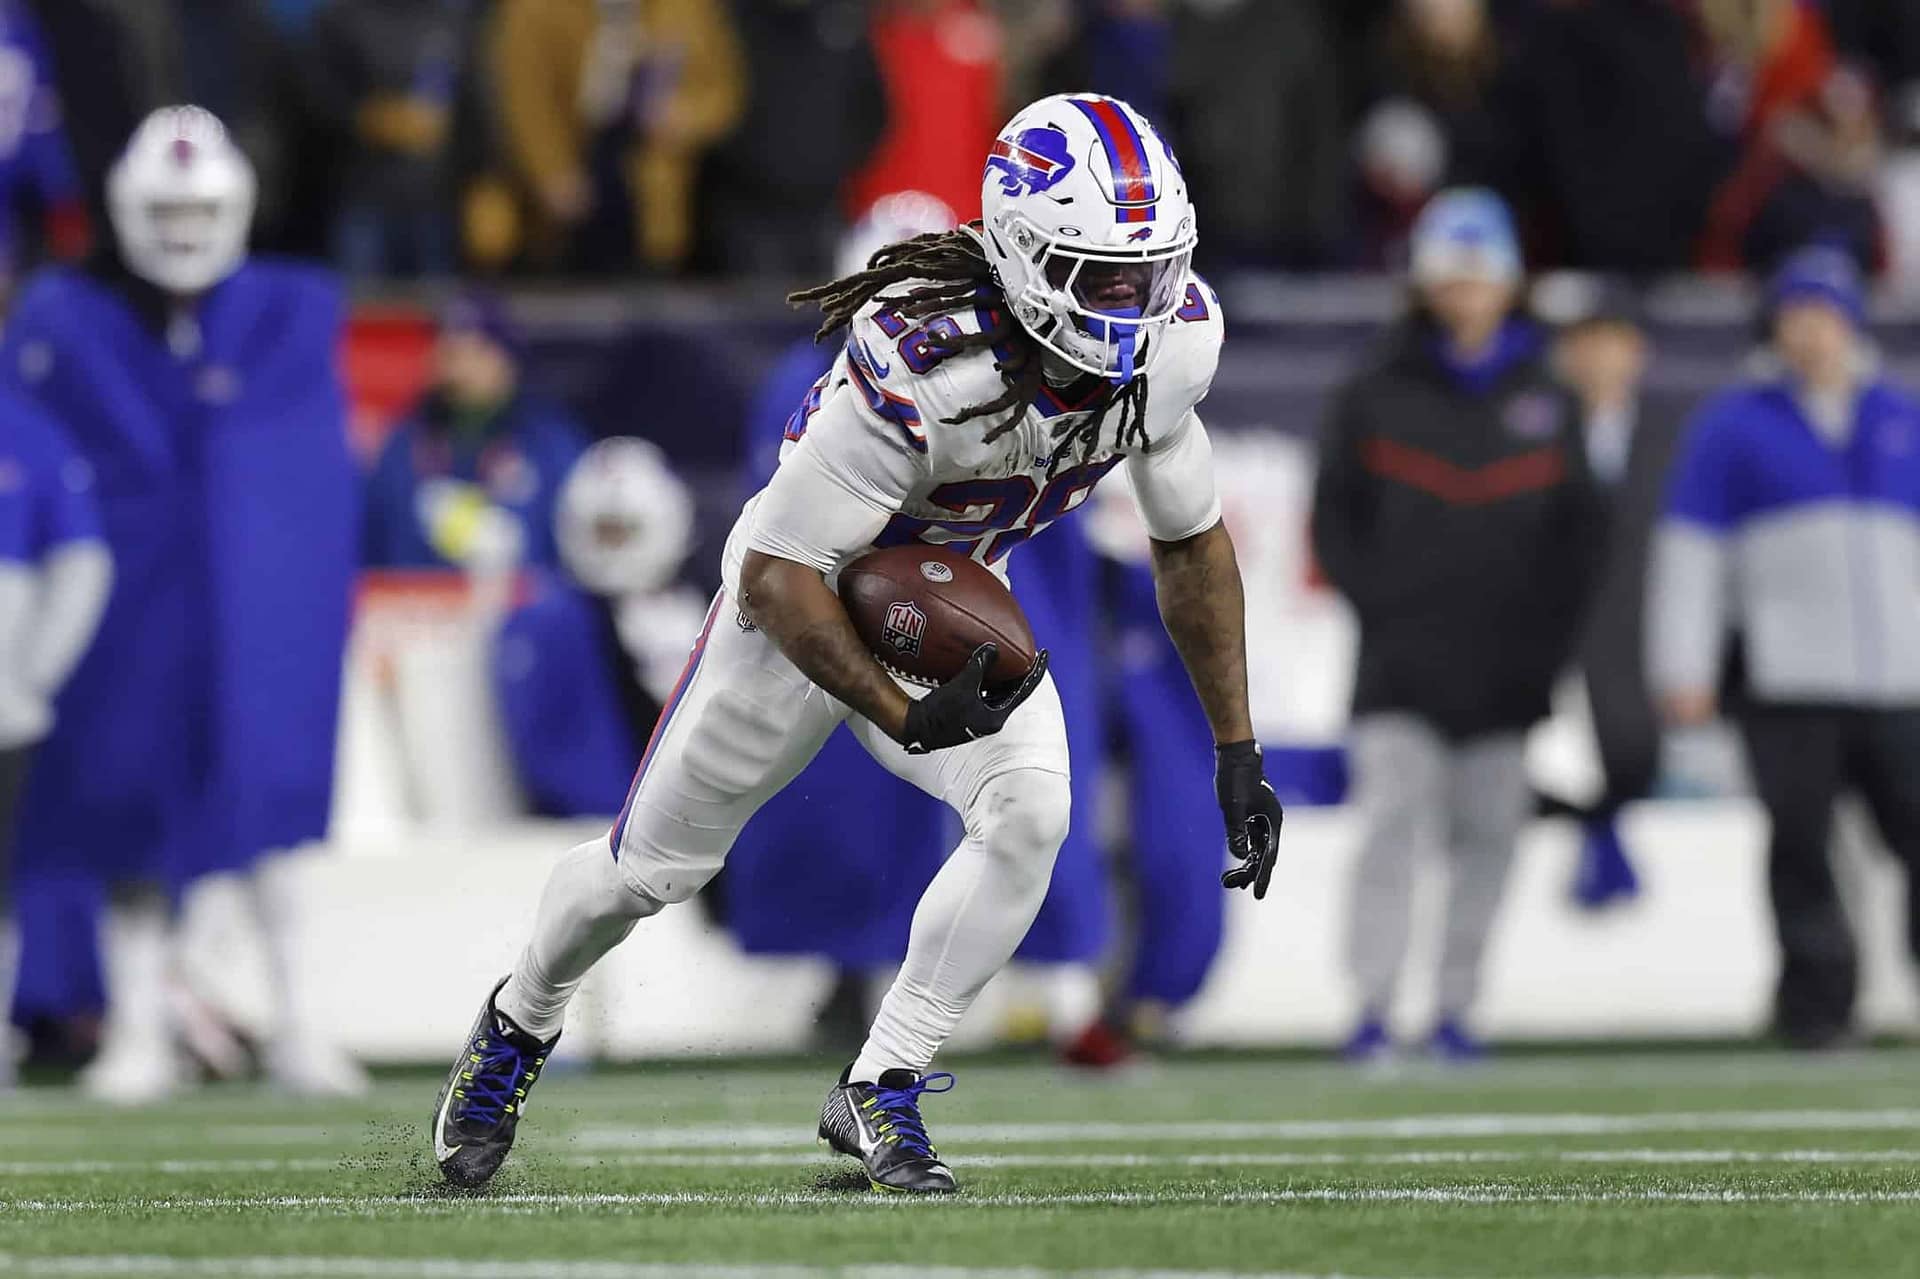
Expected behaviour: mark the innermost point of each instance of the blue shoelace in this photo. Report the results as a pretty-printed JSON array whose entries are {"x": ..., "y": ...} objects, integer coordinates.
[
  {"x": 902, "y": 1108},
  {"x": 494, "y": 1082}
]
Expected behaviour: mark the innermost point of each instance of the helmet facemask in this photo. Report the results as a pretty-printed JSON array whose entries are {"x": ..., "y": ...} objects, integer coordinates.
[{"x": 1096, "y": 309}]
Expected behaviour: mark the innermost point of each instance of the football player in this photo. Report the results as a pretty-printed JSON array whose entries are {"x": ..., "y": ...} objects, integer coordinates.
[
  {"x": 196, "y": 735},
  {"x": 991, "y": 376}
]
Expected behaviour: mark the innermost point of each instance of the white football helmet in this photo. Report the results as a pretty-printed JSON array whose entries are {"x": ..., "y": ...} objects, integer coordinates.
[
  {"x": 625, "y": 520},
  {"x": 1089, "y": 229},
  {"x": 181, "y": 197}
]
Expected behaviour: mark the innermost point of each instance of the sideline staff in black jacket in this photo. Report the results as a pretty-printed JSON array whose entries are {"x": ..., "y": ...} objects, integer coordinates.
[{"x": 1455, "y": 511}]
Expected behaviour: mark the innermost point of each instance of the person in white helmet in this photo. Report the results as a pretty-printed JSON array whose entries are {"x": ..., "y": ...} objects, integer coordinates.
[
  {"x": 582, "y": 667},
  {"x": 197, "y": 734},
  {"x": 991, "y": 376}
]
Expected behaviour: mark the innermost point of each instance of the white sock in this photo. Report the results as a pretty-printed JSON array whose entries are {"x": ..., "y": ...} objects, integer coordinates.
[
  {"x": 972, "y": 917},
  {"x": 137, "y": 946},
  {"x": 273, "y": 892},
  {"x": 588, "y": 908}
]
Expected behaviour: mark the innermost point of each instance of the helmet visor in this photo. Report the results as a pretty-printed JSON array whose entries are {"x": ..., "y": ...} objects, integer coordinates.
[{"x": 1140, "y": 289}]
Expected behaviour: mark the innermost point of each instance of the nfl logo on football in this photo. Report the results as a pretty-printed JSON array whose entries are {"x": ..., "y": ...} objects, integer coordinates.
[{"x": 904, "y": 627}]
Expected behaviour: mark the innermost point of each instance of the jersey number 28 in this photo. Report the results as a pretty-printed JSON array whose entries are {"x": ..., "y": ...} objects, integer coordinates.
[{"x": 995, "y": 514}]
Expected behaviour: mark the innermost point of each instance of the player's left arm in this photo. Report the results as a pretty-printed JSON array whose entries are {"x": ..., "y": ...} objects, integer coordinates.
[{"x": 1197, "y": 581}]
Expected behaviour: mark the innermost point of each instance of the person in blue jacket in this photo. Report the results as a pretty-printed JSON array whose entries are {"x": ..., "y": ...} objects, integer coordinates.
[
  {"x": 583, "y": 665},
  {"x": 198, "y": 732},
  {"x": 55, "y": 572},
  {"x": 1793, "y": 523},
  {"x": 480, "y": 440}
]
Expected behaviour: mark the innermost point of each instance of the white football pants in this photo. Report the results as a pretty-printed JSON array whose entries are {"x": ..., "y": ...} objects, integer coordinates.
[{"x": 741, "y": 724}]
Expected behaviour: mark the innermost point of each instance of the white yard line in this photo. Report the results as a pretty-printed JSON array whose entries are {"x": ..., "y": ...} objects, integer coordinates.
[
  {"x": 718, "y": 1137},
  {"x": 295, "y": 1267},
  {"x": 524, "y": 1204},
  {"x": 132, "y": 1128},
  {"x": 1113, "y": 1159},
  {"x": 647, "y": 1136}
]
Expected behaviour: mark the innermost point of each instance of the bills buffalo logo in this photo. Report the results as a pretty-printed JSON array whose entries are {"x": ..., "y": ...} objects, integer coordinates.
[
  {"x": 1144, "y": 233},
  {"x": 904, "y": 628},
  {"x": 1030, "y": 161}
]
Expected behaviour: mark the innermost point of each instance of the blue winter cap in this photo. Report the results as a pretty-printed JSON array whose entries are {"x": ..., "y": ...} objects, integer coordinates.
[
  {"x": 1466, "y": 233},
  {"x": 1823, "y": 273}
]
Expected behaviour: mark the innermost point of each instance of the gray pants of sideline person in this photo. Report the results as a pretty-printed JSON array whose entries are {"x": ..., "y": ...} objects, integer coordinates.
[{"x": 1417, "y": 793}]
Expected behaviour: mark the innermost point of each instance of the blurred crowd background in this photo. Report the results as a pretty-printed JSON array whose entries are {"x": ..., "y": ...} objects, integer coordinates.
[
  {"x": 515, "y": 313},
  {"x": 606, "y": 138}
]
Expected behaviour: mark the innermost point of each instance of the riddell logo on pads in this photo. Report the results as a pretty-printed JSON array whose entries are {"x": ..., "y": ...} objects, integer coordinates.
[{"x": 904, "y": 628}]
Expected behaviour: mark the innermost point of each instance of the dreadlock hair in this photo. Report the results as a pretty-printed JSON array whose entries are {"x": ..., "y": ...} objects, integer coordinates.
[{"x": 957, "y": 276}]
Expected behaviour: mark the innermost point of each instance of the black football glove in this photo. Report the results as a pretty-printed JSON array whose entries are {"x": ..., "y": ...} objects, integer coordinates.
[
  {"x": 962, "y": 710},
  {"x": 1253, "y": 815}
]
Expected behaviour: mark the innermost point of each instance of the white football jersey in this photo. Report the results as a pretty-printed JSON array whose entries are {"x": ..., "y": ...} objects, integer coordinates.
[{"x": 871, "y": 461}]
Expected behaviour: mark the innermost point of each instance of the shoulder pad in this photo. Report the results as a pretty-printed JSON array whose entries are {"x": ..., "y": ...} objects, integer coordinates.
[
  {"x": 1183, "y": 371},
  {"x": 905, "y": 375}
]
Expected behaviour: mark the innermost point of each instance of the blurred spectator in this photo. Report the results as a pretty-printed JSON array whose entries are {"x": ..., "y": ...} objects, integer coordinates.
[
  {"x": 1809, "y": 133},
  {"x": 607, "y": 106},
  {"x": 1121, "y": 48},
  {"x": 583, "y": 666},
  {"x": 1259, "y": 104},
  {"x": 1794, "y": 522},
  {"x": 471, "y": 478},
  {"x": 196, "y": 736},
  {"x": 1455, "y": 513},
  {"x": 1443, "y": 57},
  {"x": 391, "y": 76},
  {"x": 1602, "y": 353},
  {"x": 37, "y": 174},
  {"x": 941, "y": 62},
  {"x": 814, "y": 110},
  {"x": 55, "y": 571},
  {"x": 1605, "y": 143},
  {"x": 1768, "y": 56},
  {"x": 1812, "y": 175}
]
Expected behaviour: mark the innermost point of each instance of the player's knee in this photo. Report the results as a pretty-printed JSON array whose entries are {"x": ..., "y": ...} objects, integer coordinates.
[{"x": 1023, "y": 818}]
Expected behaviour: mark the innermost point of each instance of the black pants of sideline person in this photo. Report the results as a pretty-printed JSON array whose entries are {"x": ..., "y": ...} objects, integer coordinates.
[
  {"x": 1803, "y": 759},
  {"x": 13, "y": 780}
]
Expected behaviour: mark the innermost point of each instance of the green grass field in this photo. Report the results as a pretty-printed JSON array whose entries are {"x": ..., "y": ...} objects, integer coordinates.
[{"x": 1683, "y": 1163}]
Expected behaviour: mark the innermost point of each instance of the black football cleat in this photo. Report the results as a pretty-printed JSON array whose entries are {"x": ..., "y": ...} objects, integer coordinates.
[
  {"x": 485, "y": 1094},
  {"x": 879, "y": 1124}
]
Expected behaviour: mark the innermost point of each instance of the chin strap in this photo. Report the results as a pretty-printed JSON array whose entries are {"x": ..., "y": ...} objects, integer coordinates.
[{"x": 1121, "y": 328}]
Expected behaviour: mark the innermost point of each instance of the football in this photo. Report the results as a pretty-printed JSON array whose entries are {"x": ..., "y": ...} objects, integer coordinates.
[{"x": 923, "y": 610}]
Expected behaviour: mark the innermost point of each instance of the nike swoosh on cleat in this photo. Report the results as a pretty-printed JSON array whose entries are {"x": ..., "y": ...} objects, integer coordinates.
[{"x": 441, "y": 1150}]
